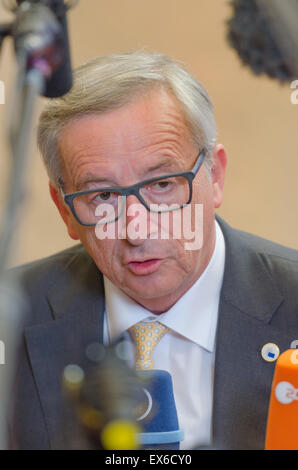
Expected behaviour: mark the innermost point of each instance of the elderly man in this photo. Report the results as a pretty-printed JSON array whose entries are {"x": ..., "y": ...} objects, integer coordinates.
[{"x": 136, "y": 134}]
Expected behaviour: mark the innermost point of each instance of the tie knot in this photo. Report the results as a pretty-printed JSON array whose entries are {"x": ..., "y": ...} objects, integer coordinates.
[{"x": 146, "y": 336}]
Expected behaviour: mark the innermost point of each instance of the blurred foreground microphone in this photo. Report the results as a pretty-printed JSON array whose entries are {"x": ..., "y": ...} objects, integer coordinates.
[
  {"x": 264, "y": 34},
  {"x": 158, "y": 417},
  {"x": 40, "y": 34},
  {"x": 117, "y": 408},
  {"x": 104, "y": 396},
  {"x": 282, "y": 424}
]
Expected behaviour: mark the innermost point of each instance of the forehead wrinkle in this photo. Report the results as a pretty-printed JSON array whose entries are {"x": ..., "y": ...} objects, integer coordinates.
[
  {"x": 166, "y": 137},
  {"x": 168, "y": 123},
  {"x": 81, "y": 176},
  {"x": 169, "y": 134}
]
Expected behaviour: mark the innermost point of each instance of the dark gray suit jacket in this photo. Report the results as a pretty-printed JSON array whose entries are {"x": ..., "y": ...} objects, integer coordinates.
[{"x": 258, "y": 305}]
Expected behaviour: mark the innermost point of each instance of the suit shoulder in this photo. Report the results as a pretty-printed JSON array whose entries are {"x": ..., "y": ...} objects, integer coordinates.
[
  {"x": 269, "y": 248},
  {"x": 45, "y": 271},
  {"x": 280, "y": 262}
]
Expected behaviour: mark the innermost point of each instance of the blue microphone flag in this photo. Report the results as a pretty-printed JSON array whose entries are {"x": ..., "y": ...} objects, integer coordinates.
[{"x": 157, "y": 412}]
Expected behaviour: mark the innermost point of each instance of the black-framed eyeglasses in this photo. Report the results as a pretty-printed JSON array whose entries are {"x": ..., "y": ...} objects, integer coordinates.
[{"x": 161, "y": 194}]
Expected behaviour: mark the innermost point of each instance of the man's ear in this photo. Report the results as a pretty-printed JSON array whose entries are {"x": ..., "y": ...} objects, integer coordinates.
[
  {"x": 64, "y": 212},
  {"x": 218, "y": 173}
]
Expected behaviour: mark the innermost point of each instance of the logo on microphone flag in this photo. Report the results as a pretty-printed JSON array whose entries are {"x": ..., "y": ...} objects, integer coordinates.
[
  {"x": 156, "y": 413},
  {"x": 286, "y": 393}
]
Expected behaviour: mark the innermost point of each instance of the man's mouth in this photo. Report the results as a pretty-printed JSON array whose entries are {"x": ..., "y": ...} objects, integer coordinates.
[{"x": 147, "y": 266}]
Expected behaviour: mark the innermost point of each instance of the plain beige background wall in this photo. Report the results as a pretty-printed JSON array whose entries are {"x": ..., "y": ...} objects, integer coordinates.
[{"x": 256, "y": 120}]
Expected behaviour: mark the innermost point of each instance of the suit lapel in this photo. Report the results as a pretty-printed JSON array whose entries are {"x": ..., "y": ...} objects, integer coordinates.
[
  {"x": 242, "y": 378},
  {"x": 77, "y": 303}
]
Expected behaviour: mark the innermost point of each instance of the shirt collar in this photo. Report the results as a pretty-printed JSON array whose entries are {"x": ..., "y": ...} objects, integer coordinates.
[{"x": 193, "y": 316}]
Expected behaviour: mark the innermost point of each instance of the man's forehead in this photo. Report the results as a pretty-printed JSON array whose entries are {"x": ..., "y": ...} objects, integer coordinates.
[
  {"x": 146, "y": 112},
  {"x": 150, "y": 137}
]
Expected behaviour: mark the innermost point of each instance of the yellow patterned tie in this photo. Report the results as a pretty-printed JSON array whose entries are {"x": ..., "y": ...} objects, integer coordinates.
[{"x": 146, "y": 336}]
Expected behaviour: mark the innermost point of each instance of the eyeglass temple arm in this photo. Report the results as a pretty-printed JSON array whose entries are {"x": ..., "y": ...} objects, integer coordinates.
[
  {"x": 60, "y": 186},
  {"x": 199, "y": 162}
]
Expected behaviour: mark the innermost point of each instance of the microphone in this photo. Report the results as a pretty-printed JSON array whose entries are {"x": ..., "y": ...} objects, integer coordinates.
[
  {"x": 103, "y": 396},
  {"x": 282, "y": 423},
  {"x": 40, "y": 31},
  {"x": 157, "y": 412},
  {"x": 116, "y": 408},
  {"x": 264, "y": 34}
]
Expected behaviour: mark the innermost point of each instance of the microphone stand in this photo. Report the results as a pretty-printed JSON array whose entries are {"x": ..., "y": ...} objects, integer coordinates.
[
  {"x": 28, "y": 86},
  {"x": 13, "y": 303},
  {"x": 33, "y": 68}
]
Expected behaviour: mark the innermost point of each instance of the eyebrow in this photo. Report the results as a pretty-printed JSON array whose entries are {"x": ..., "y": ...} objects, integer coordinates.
[
  {"x": 90, "y": 178},
  {"x": 169, "y": 162}
]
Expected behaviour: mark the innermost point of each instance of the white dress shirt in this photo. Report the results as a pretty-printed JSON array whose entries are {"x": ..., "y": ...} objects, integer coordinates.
[{"x": 187, "y": 351}]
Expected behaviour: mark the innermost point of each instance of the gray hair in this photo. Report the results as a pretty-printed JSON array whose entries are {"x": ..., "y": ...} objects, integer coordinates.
[{"x": 110, "y": 82}]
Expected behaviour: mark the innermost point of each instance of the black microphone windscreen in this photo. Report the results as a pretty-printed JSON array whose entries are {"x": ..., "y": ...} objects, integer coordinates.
[
  {"x": 41, "y": 31},
  {"x": 250, "y": 34},
  {"x": 61, "y": 80}
]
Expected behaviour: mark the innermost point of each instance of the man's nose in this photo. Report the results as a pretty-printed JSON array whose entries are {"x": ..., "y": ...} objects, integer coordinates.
[{"x": 136, "y": 221}]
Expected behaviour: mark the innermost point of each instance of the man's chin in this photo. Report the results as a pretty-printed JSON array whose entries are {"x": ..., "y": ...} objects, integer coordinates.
[{"x": 148, "y": 287}]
